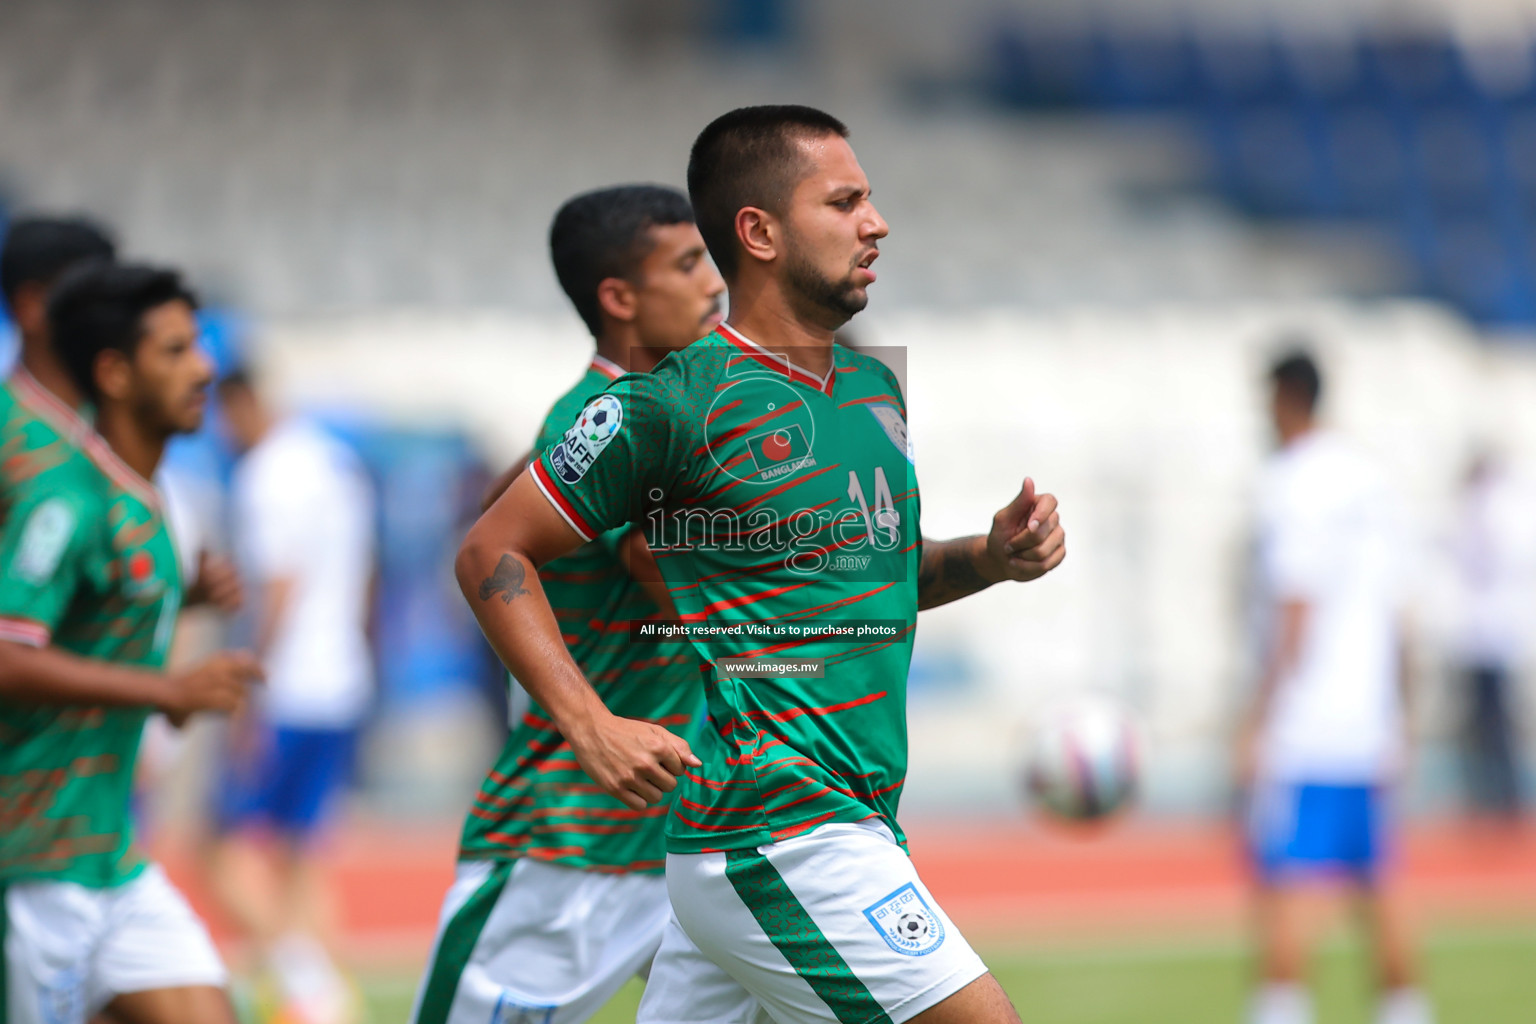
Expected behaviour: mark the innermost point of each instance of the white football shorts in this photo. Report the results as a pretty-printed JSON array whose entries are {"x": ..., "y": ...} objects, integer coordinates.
[
  {"x": 831, "y": 926},
  {"x": 70, "y": 949},
  {"x": 525, "y": 942}
]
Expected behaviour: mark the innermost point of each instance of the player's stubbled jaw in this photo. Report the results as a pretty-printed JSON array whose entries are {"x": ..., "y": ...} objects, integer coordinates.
[{"x": 832, "y": 231}]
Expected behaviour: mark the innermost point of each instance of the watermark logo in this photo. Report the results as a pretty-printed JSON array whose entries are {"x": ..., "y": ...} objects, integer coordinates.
[{"x": 768, "y": 418}]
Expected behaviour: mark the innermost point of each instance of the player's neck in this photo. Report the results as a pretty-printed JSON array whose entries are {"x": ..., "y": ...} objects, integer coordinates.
[
  {"x": 45, "y": 368},
  {"x": 621, "y": 346},
  {"x": 1296, "y": 431},
  {"x": 764, "y": 315},
  {"x": 262, "y": 425},
  {"x": 139, "y": 446}
]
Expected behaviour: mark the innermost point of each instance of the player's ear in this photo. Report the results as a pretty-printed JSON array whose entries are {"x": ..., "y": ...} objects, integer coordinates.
[
  {"x": 29, "y": 307},
  {"x": 113, "y": 371},
  {"x": 758, "y": 231},
  {"x": 618, "y": 298}
]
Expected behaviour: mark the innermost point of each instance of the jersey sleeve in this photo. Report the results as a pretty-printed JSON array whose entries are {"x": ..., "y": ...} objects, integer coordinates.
[
  {"x": 44, "y": 556},
  {"x": 626, "y": 451}
]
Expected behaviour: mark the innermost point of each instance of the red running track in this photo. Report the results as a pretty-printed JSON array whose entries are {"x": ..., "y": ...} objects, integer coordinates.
[{"x": 1001, "y": 882}]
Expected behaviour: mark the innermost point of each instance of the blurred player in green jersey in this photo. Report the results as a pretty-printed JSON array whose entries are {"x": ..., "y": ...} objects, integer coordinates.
[
  {"x": 38, "y": 402},
  {"x": 774, "y": 474},
  {"x": 89, "y": 591},
  {"x": 560, "y": 896}
]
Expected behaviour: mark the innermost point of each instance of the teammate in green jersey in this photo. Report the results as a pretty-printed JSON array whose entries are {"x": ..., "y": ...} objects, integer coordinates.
[
  {"x": 89, "y": 590},
  {"x": 560, "y": 897},
  {"x": 40, "y": 426},
  {"x": 774, "y": 474},
  {"x": 36, "y": 252}
]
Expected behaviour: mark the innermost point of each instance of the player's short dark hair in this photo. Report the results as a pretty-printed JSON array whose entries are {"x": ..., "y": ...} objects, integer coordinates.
[
  {"x": 606, "y": 233},
  {"x": 748, "y": 157},
  {"x": 38, "y": 249},
  {"x": 101, "y": 305},
  {"x": 239, "y": 378},
  {"x": 1295, "y": 373}
]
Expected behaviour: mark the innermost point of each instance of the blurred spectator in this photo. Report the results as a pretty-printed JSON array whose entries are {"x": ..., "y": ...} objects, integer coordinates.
[
  {"x": 303, "y": 533},
  {"x": 1495, "y": 548},
  {"x": 1325, "y": 738}
]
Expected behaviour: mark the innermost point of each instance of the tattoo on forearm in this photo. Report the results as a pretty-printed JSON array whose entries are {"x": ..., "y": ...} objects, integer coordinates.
[
  {"x": 946, "y": 574},
  {"x": 506, "y": 581}
]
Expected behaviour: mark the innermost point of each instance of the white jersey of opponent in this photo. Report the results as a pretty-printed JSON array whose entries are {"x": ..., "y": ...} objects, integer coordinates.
[
  {"x": 1496, "y": 557},
  {"x": 303, "y": 510},
  {"x": 1329, "y": 536}
]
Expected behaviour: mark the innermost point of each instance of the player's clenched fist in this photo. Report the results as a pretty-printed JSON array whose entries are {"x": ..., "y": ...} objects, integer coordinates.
[
  {"x": 637, "y": 762},
  {"x": 217, "y": 684},
  {"x": 217, "y": 584},
  {"x": 1026, "y": 540}
]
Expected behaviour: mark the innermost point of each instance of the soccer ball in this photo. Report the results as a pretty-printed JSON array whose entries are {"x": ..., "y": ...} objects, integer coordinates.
[
  {"x": 600, "y": 419},
  {"x": 913, "y": 927},
  {"x": 1083, "y": 759}
]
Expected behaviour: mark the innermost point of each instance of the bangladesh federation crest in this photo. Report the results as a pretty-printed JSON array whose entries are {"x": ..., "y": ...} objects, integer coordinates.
[
  {"x": 890, "y": 420},
  {"x": 906, "y": 922},
  {"x": 509, "y": 1011}
]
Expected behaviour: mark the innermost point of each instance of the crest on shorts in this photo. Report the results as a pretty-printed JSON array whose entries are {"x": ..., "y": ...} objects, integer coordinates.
[
  {"x": 906, "y": 922},
  {"x": 61, "y": 997},
  {"x": 508, "y": 1011}
]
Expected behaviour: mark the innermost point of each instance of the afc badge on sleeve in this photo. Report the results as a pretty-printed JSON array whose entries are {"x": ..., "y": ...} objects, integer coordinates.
[{"x": 906, "y": 922}]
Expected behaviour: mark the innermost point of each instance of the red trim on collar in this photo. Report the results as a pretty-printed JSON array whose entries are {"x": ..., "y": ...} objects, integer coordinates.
[
  {"x": 775, "y": 360},
  {"x": 607, "y": 367},
  {"x": 122, "y": 474},
  {"x": 49, "y": 407}
]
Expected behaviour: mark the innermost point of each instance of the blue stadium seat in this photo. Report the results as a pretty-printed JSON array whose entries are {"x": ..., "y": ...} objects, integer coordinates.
[
  {"x": 1396, "y": 129},
  {"x": 1145, "y": 70},
  {"x": 1367, "y": 161}
]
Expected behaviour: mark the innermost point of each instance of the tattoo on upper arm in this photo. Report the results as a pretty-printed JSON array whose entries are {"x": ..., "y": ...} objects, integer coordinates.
[{"x": 507, "y": 581}]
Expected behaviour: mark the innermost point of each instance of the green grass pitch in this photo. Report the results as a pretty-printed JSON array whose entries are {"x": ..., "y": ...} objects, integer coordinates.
[{"x": 1476, "y": 976}]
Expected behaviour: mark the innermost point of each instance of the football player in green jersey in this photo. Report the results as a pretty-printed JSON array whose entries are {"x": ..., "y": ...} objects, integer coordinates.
[
  {"x": 40, "y": 421},
  {"x": 36, "y": 251},
  {"x": 774, "y": 474},
  {"x": 560, "y": 896},
  {"x": 89, "y": 590}
]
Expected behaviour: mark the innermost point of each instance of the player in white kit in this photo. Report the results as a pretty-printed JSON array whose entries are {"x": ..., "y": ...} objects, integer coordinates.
[
  {"x": 1325, "y": 738},
  {"x": 303, "y": 518}
]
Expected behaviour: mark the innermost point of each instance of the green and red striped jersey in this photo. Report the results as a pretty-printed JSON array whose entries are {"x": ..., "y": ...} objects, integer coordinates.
[
  {"x": 38, "y": 433},
  {"x": 536, "y": 801},
  {"x": 87, "y": 564},
  {"x": 783, "y": 511}
]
